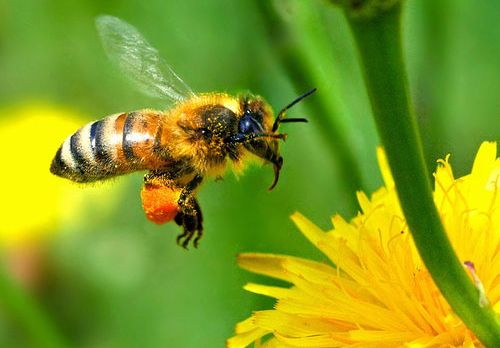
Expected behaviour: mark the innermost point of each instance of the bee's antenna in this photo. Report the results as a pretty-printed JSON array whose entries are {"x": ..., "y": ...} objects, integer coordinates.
[{"x": 281, "y": 115}]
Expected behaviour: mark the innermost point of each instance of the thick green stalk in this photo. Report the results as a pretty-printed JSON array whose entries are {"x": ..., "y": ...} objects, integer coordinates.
[
  {"x": 380, "y": 46},
  {"x": 26, "y": 312}
]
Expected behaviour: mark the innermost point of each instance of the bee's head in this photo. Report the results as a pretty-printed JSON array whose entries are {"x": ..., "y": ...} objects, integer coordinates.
[
  {"x": 257, "y": 129},
  {"x": 257, "y": 120}
]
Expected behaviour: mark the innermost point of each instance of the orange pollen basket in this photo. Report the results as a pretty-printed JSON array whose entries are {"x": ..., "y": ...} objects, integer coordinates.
[{"x": 160, "y": 203}]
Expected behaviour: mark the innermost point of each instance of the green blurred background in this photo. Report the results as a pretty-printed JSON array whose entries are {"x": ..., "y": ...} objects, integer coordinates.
[{"x": 111, "y": 278}]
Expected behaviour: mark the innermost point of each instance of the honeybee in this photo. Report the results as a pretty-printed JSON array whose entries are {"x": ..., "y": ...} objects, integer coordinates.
[{"x": 180, "y": 147}]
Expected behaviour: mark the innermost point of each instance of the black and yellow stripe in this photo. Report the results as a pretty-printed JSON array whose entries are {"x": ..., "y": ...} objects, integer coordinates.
[
  {"x": 88, "y": 154},
  {"x": 115, "y": 145},
  {"x": 128, "y": 137}
]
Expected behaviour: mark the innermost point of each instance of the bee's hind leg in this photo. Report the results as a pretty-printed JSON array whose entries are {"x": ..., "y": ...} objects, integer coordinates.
[
  {"x": 199, "y": 222},
  {"x": 179, "y": 220},
  {"x": 191, "y": 220},
  {"x": 190, "y": 214}
]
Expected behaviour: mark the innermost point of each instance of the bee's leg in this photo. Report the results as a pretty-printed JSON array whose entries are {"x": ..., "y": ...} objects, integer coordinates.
[
  {"x": 190, "y": 214},
  {"x": 169, "y": 176},
  {"x": 187, "y": 191},
  {"x": 191, "y": 222},
  {"x": 190, "y": 226},
  {"x": 240, "y": 138},
  {"x": 163, "y": 178},
  {"x": 179, "y": 220},
  {"x": 199, "y": 229}
]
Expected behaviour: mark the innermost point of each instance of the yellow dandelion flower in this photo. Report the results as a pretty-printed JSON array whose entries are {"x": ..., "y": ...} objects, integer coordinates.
[{"x": 380, "y": 293}]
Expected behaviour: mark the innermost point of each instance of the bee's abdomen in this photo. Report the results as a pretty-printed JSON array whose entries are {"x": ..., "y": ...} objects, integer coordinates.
[{"x": 115, "y": 145}]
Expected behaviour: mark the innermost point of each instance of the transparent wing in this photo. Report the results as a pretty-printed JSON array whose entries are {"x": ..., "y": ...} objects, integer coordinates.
[{"x": 140, "y": 62}]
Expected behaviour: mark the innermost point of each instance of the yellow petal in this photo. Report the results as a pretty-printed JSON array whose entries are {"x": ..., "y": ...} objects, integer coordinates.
[
  {"x": 271, "y": 291},
  {"x": 245, "y": 339},
  {"x": 310, "y": 230},
  {"x": 245, "y": 326},
  {"x": 270, "y": 264}
]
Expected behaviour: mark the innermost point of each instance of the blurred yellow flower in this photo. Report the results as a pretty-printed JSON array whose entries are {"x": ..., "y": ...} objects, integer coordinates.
[
  {"x": 32, "y": 199},
  {"x": 380, "y": 294}
]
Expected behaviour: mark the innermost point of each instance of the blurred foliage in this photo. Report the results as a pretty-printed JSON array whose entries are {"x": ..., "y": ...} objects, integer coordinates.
[{"x": 113, "y": 279}]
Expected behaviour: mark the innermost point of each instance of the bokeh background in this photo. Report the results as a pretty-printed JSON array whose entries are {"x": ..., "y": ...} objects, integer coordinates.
[{"x": 84, "y": 262}]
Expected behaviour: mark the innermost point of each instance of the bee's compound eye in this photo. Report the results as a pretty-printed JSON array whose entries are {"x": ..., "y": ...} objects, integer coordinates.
[{"x": 248, "y": 124}]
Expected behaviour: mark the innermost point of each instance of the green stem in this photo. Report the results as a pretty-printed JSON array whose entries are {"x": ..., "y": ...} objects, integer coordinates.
[
  {"x": 301, "y": 45},
  {"x": 27, "y": 313},
  {"x": 380, "y": 47}
]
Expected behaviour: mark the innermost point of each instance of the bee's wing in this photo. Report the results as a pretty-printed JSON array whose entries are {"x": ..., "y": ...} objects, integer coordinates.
[{"x": 140, "y": 62}]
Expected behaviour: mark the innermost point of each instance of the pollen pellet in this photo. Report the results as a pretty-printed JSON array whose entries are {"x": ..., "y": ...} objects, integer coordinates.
[{"x": 160, "y": 203}]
